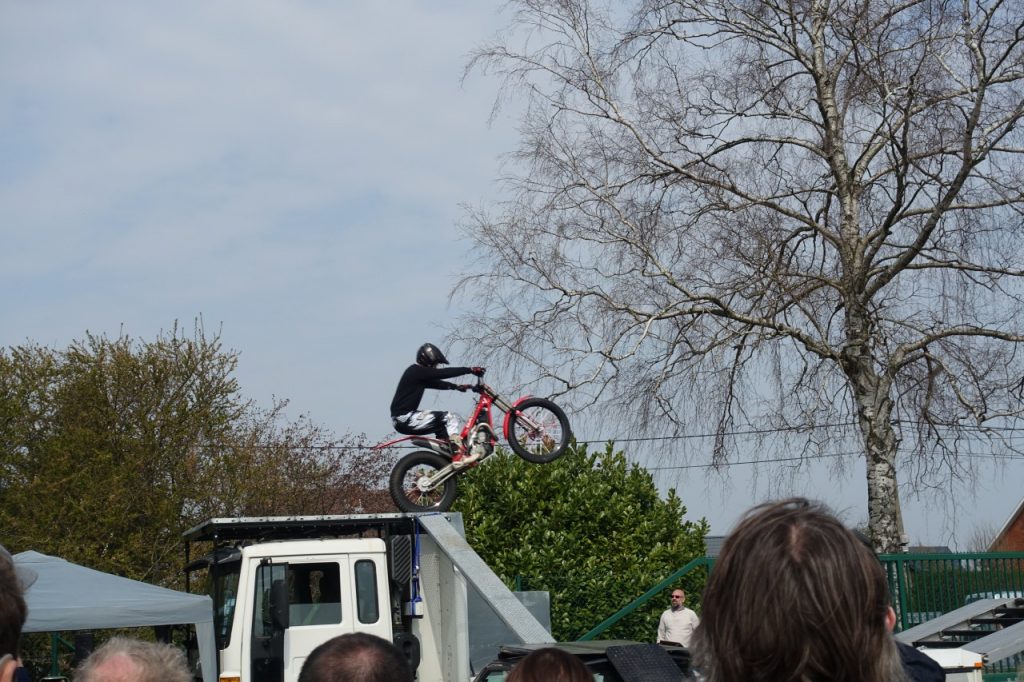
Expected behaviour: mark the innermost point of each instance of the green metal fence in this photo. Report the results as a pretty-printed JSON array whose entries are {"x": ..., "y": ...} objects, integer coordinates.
[
  {"x": 923, "y": 587},
  {"x": 699, "y": 564},
  {"x": 926, "y": 585}
]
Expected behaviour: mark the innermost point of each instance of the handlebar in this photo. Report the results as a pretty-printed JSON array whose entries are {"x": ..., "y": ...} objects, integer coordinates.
[{"x": 481, "y": 387}]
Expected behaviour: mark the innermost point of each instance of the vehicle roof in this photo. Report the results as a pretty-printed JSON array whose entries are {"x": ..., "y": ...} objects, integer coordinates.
[
  {"x": 591, "y": 650},
  {"x": 595, "y": 647},
  {"x": 264, "y": 528},
  {"x": 594, "y": 655}
]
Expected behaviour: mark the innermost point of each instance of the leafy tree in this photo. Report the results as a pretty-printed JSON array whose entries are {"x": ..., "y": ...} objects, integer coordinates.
[
  {"x": 589, "y": 528},
  {"x": 110, "y": 448},
  {"x": 276, "y": 467},
  {"x": 750, "y": 214}
]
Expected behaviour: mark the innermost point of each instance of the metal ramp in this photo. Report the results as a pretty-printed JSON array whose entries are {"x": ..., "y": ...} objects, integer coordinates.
[
  {"x": 983, "y": 632},
  {"x": 478, "y": 574}
]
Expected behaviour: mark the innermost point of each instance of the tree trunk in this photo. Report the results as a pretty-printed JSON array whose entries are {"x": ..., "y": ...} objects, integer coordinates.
[
  {"x": 874, "y": 417},
  {"x": 884, "y": 519}
]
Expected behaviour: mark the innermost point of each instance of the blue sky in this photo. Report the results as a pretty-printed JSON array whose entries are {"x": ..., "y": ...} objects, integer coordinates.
[{"x": 292, "y": 173}]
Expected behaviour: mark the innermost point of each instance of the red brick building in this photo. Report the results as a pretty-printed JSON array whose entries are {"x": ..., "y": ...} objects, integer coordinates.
[{"x": 1011, "y": 537}]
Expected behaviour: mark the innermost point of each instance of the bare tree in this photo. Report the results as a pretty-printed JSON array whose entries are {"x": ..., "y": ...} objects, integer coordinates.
[
  {"x": 713, "y": 193},
  {"x": 982, "y": 536}
]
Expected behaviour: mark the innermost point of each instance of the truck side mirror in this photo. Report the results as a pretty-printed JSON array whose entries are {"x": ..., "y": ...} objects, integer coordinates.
[{"x": 279, "y": 604}]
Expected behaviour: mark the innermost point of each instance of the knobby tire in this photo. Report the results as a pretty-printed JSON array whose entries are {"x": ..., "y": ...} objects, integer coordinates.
[
  {"x": 407, "y": 472},
  {"x": 549, "y": 441}
]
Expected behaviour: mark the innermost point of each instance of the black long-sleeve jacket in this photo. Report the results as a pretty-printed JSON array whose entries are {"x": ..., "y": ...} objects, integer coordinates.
[{"x": 417, "y": 379}]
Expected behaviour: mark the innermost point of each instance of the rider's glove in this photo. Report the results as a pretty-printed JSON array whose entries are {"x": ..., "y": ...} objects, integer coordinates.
[
  {"x": 463, "y": 387},
  {"x": 477, "y": 371}
]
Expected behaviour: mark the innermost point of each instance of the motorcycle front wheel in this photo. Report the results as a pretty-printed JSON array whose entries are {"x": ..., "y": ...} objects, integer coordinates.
[
  {"x": 538, "y": 431},
  {"x": 407, "y": 485}
]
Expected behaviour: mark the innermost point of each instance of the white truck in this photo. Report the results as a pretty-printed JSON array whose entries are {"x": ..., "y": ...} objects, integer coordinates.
[{"x": 281, "y": 586}]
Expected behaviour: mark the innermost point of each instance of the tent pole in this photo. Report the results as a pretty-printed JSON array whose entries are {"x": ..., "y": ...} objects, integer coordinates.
[{"x": 54, "y": 652}]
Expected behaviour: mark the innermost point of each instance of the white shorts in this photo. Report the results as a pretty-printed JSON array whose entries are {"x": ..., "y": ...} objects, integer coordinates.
[{"x": 427, "y": 422}]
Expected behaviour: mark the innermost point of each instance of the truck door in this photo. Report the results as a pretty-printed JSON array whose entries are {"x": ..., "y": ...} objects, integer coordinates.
[
  {"x": 318, "y": 600},
  {"x": 270, "y": 622},
  {"x": 333, "y": 597},
  {"x": 303, "y": 603}
]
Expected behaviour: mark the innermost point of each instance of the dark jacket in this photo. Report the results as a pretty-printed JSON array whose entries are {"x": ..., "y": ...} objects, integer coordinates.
[{"x": 417, "y": 379}]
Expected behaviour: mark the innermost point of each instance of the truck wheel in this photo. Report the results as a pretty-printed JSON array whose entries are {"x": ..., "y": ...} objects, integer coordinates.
[{"x": 407, "y": 483}]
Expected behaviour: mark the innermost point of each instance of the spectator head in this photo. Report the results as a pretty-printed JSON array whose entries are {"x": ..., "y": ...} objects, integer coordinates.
[
  {"x": 121, "y": 659},
  {"x": 794, "y": 595},
  {"x": 356, "y": 657},
  {"x": 550, "y": 665},
  {"x": 13, "y": 582}
]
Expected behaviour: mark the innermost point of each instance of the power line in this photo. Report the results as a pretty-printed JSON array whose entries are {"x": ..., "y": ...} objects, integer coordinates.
[
  {"x": 770, "y": 461},
  {"x": 773, "y": 430},
  {"x": 834, "y": 455},
  {"x": 640, "y": 439},
  {"x": 751, "y": 461},
  {"x": 738, "y": 432},
  {"x": 676, "y": 467}
]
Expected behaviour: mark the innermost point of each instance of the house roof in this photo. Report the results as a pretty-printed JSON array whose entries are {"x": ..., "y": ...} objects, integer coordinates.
[
  {"x": 1009, "y": 522},
  {"x": 713, "y": 545}
]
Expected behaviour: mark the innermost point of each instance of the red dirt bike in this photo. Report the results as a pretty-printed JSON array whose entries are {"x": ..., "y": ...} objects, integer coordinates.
[{"x": 425, "y": 480}]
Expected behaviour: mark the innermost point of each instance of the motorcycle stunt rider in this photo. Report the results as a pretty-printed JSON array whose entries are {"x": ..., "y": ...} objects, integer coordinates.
[{"x": 405, "y": 413}]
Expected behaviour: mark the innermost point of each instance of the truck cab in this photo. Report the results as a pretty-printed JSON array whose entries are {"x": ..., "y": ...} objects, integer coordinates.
[{"x": 281, "y": 586}]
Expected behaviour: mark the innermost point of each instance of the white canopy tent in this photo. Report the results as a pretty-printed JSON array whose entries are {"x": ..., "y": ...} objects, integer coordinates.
[{"x": 67, "y": 596}]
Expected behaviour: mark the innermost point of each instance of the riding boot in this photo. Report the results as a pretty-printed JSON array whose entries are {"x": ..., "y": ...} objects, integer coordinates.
[
  {"x": 470, "y": 458},
  {"x": 461, "y": 457},
  {"x": 452, "y": 445}
]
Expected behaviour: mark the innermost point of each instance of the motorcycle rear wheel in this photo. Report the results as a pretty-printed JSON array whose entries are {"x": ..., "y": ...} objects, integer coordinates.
[{"x": 405, "y": 479}]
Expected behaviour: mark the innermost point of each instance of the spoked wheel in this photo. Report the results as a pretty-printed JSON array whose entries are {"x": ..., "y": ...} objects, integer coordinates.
[
  {"x": 409, "y": 485},
  {"x": 538, "y": 431}
]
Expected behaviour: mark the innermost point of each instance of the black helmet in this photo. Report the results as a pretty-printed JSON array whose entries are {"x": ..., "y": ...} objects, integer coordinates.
[{"x": 430, "y": 355}]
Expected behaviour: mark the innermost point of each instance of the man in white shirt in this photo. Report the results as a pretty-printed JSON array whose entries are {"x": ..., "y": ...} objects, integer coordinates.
[{"x": 678, "y": 622}]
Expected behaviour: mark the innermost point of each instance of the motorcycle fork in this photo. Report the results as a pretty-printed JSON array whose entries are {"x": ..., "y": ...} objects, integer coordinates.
[
  {"x": 482, "y": 413},
  {"x": 512, "y": 412}
]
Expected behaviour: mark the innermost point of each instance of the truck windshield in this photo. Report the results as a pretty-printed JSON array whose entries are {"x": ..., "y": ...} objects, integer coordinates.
[{"x": 222, "y": 586}]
